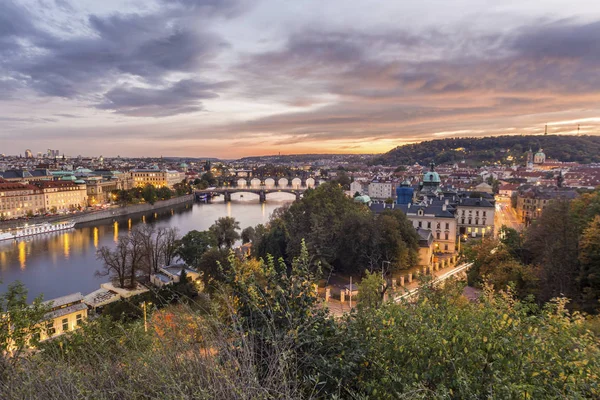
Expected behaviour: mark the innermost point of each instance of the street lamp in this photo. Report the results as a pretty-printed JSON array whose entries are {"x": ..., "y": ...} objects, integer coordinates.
[{"x": 144, "y": 305}]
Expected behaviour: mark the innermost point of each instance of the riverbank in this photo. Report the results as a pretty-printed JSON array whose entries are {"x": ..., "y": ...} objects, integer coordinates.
[{"x": 99, "y": 215}]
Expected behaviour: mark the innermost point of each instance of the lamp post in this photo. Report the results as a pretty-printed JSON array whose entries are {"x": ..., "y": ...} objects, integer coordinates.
[{"x": 145, "y": 319}]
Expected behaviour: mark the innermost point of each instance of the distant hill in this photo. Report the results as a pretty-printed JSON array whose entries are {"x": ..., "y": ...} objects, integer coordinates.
[{"x": 489, "y": 150}]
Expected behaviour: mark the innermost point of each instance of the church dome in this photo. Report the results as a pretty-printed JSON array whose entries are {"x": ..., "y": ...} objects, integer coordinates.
[{"x": 431, "y": 177}]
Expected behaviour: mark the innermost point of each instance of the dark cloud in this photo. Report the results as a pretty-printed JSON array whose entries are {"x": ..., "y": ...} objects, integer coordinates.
[
  {"x": 397, "y": 83},
  {"x": 179, "y": 98},
  {"x": 563, "y": 40},
  {"x": 120, "y": 47},
  {"x": 211, "y": 8}
]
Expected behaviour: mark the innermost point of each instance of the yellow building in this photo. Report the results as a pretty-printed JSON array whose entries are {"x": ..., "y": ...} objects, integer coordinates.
[
  {"x": 67, "y": 313},
  {"x": 60, "y": 196},
  {"x": 20, "y": 200},
  {"x": 156, "y": 177}
]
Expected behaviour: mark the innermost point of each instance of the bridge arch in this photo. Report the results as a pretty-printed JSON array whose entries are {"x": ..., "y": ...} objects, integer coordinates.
[
  {"x": 283, "y": 182},
  {"x": 242, "y": 183},
  {"x": 255, "y": 183},
  {"x": 296, "y": 183},
  {"x": 269, "y": 183},
  {"x": 310, "y": 183}
]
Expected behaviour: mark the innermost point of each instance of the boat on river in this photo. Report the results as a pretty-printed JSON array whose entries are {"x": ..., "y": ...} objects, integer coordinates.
[{"x": 35, "y": 229}]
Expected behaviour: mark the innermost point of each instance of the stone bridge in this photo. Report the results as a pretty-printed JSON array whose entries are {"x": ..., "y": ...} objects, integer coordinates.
[{"x": 260, "y": 186}]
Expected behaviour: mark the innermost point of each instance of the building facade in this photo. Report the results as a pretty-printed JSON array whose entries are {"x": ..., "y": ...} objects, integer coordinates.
[
  {"x": 381, "y": 190},
  {"x": 531, "y": 201},
  {"x": 475, "y": 217},
  {"x": 156, "y": 177},
  {"x": 20, "y": 200},
  {"x": 61, "y": 196},
  {"x": 67, "y": 313}
]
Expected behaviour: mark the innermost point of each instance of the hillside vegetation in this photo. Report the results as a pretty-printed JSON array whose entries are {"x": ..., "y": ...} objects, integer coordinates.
[{"x": 506, "y": 149}]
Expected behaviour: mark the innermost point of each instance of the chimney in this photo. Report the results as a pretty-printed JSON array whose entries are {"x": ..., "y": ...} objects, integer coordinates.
[
  {"x": 444, "y": 207},
  {"x": 408, "y": 205},
  {"x": 447, "y": 202}
]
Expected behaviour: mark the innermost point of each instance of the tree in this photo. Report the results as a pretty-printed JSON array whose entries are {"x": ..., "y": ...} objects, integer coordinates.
[
  {"x": 193, "y": 245},
  {"x": 248, "y": 235},
  {"x": 225, "y": 232},
  {"x": 211, "y": 266},
  {"x": 552, "y": 242},
  {"x": 589, "y": 257},
  {"x": 370, "y": 294},
  {"x": 115, "y": 262},
  {"x": 20, "y": 323},
  {"x": 149, "y": 194}
]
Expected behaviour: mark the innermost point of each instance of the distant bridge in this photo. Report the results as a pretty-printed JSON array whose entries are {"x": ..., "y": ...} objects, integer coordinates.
[{"x": 260, "y": 186}]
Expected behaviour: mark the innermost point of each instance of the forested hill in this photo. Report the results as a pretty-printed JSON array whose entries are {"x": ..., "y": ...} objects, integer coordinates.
[{"x": 507, "y": 149}]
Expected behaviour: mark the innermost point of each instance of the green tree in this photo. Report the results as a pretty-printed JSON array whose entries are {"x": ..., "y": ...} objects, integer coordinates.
[
  {"x": 149, "y": 194},
  {"x": 211, "y": 267},
  {"x": 589, "y": 257},
  {"x": 224, "y": 230},
  {"x": 370, "y": 291},
  {"x": 193, "y": 245},
  {"x": 552, "y": 242},
  {"x": 248, "y": 235},
  {"x": 20, "y": 323}
]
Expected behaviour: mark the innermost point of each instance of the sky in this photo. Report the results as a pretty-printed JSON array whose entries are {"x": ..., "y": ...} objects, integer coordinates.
[{"x": 232, "y": 78}]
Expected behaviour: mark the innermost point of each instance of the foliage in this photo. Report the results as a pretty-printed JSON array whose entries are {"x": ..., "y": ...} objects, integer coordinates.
[
  {"x": 494, "y": 265},
  {"x": 193, "y": 245},
  {"x": 370, "y": 294},
  {"x": 589, "y": 257},
  {"x": 443, "y": 347},
  {"x": 19, "y": 322},
  {"x": 339, "y": 233},
  {"x": 584, "y": 149},
  {"x": 224, "y": 230},
  {"x": 248, "y": 235}
]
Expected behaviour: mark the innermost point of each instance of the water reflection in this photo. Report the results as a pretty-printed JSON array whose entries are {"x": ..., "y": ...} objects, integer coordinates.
[
  {"x": 96, "y": 237},
  {"x": 64, "y": 262},
  {"x": 22, "y": 254},
  {"x": 66, "y": 244},
  {"x": 116, "y": 232}
]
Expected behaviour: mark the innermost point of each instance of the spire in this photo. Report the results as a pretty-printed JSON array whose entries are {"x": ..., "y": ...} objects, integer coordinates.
[
  {"x": 432, "y": 166},
  {"x": 546, "y": 130}
]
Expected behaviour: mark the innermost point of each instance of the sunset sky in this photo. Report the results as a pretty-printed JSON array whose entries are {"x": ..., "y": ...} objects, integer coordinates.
[{"x": 229, "y": 78}]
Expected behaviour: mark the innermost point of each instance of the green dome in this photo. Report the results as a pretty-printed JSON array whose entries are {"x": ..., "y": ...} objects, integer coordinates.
[{"x": 431, "y": 177}]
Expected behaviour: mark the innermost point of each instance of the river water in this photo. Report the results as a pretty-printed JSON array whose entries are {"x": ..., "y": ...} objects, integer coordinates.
[{"x": 61, "y": 263}]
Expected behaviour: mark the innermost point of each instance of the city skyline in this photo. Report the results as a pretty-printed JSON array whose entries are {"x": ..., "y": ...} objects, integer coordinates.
[{"x": 236, "y": 78}]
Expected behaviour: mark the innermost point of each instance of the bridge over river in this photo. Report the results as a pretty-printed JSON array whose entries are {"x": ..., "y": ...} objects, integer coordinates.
[{"x": 262, "y": 187}]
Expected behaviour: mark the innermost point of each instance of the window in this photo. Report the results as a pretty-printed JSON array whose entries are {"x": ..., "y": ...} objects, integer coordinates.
[
  {"x": 484, "y": 213},
  {"x": 446, "y": 247},
  {"x": 420, "y": 224},
  {"x": 65, "y": 324},
  {"x": 447, "y": 225},
  {"x": 445, "y": 236},
  {"x": 79, "y": 319},
  {"x": 437, "y": 235},
  {"x": 438, "y": 225},
  {"x": 50, "y": 330},
  {"x": 429, "y": 225},
  {"x": 470, "y": 221}
]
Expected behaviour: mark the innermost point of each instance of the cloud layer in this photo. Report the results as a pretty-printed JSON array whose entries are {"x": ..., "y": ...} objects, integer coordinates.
[{"x": 214, "y": 69}]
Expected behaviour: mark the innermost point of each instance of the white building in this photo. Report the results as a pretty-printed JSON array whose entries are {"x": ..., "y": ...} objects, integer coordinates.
[
  {"x": 67, "y": 313},
  {"x": 359, "y": 186},
  {"x": 381, "y": 190},
  {"x": 475, "y": 217}
]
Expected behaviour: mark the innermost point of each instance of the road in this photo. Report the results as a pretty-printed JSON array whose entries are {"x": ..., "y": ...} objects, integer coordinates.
[{"x": 506, "y": 215}]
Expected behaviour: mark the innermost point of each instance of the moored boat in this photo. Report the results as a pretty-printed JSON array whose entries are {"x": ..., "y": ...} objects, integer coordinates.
[{"x": 36, "y": 229}]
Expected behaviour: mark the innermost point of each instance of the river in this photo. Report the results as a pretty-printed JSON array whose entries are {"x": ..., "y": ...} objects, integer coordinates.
[{"x": 61, "y": 263}]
